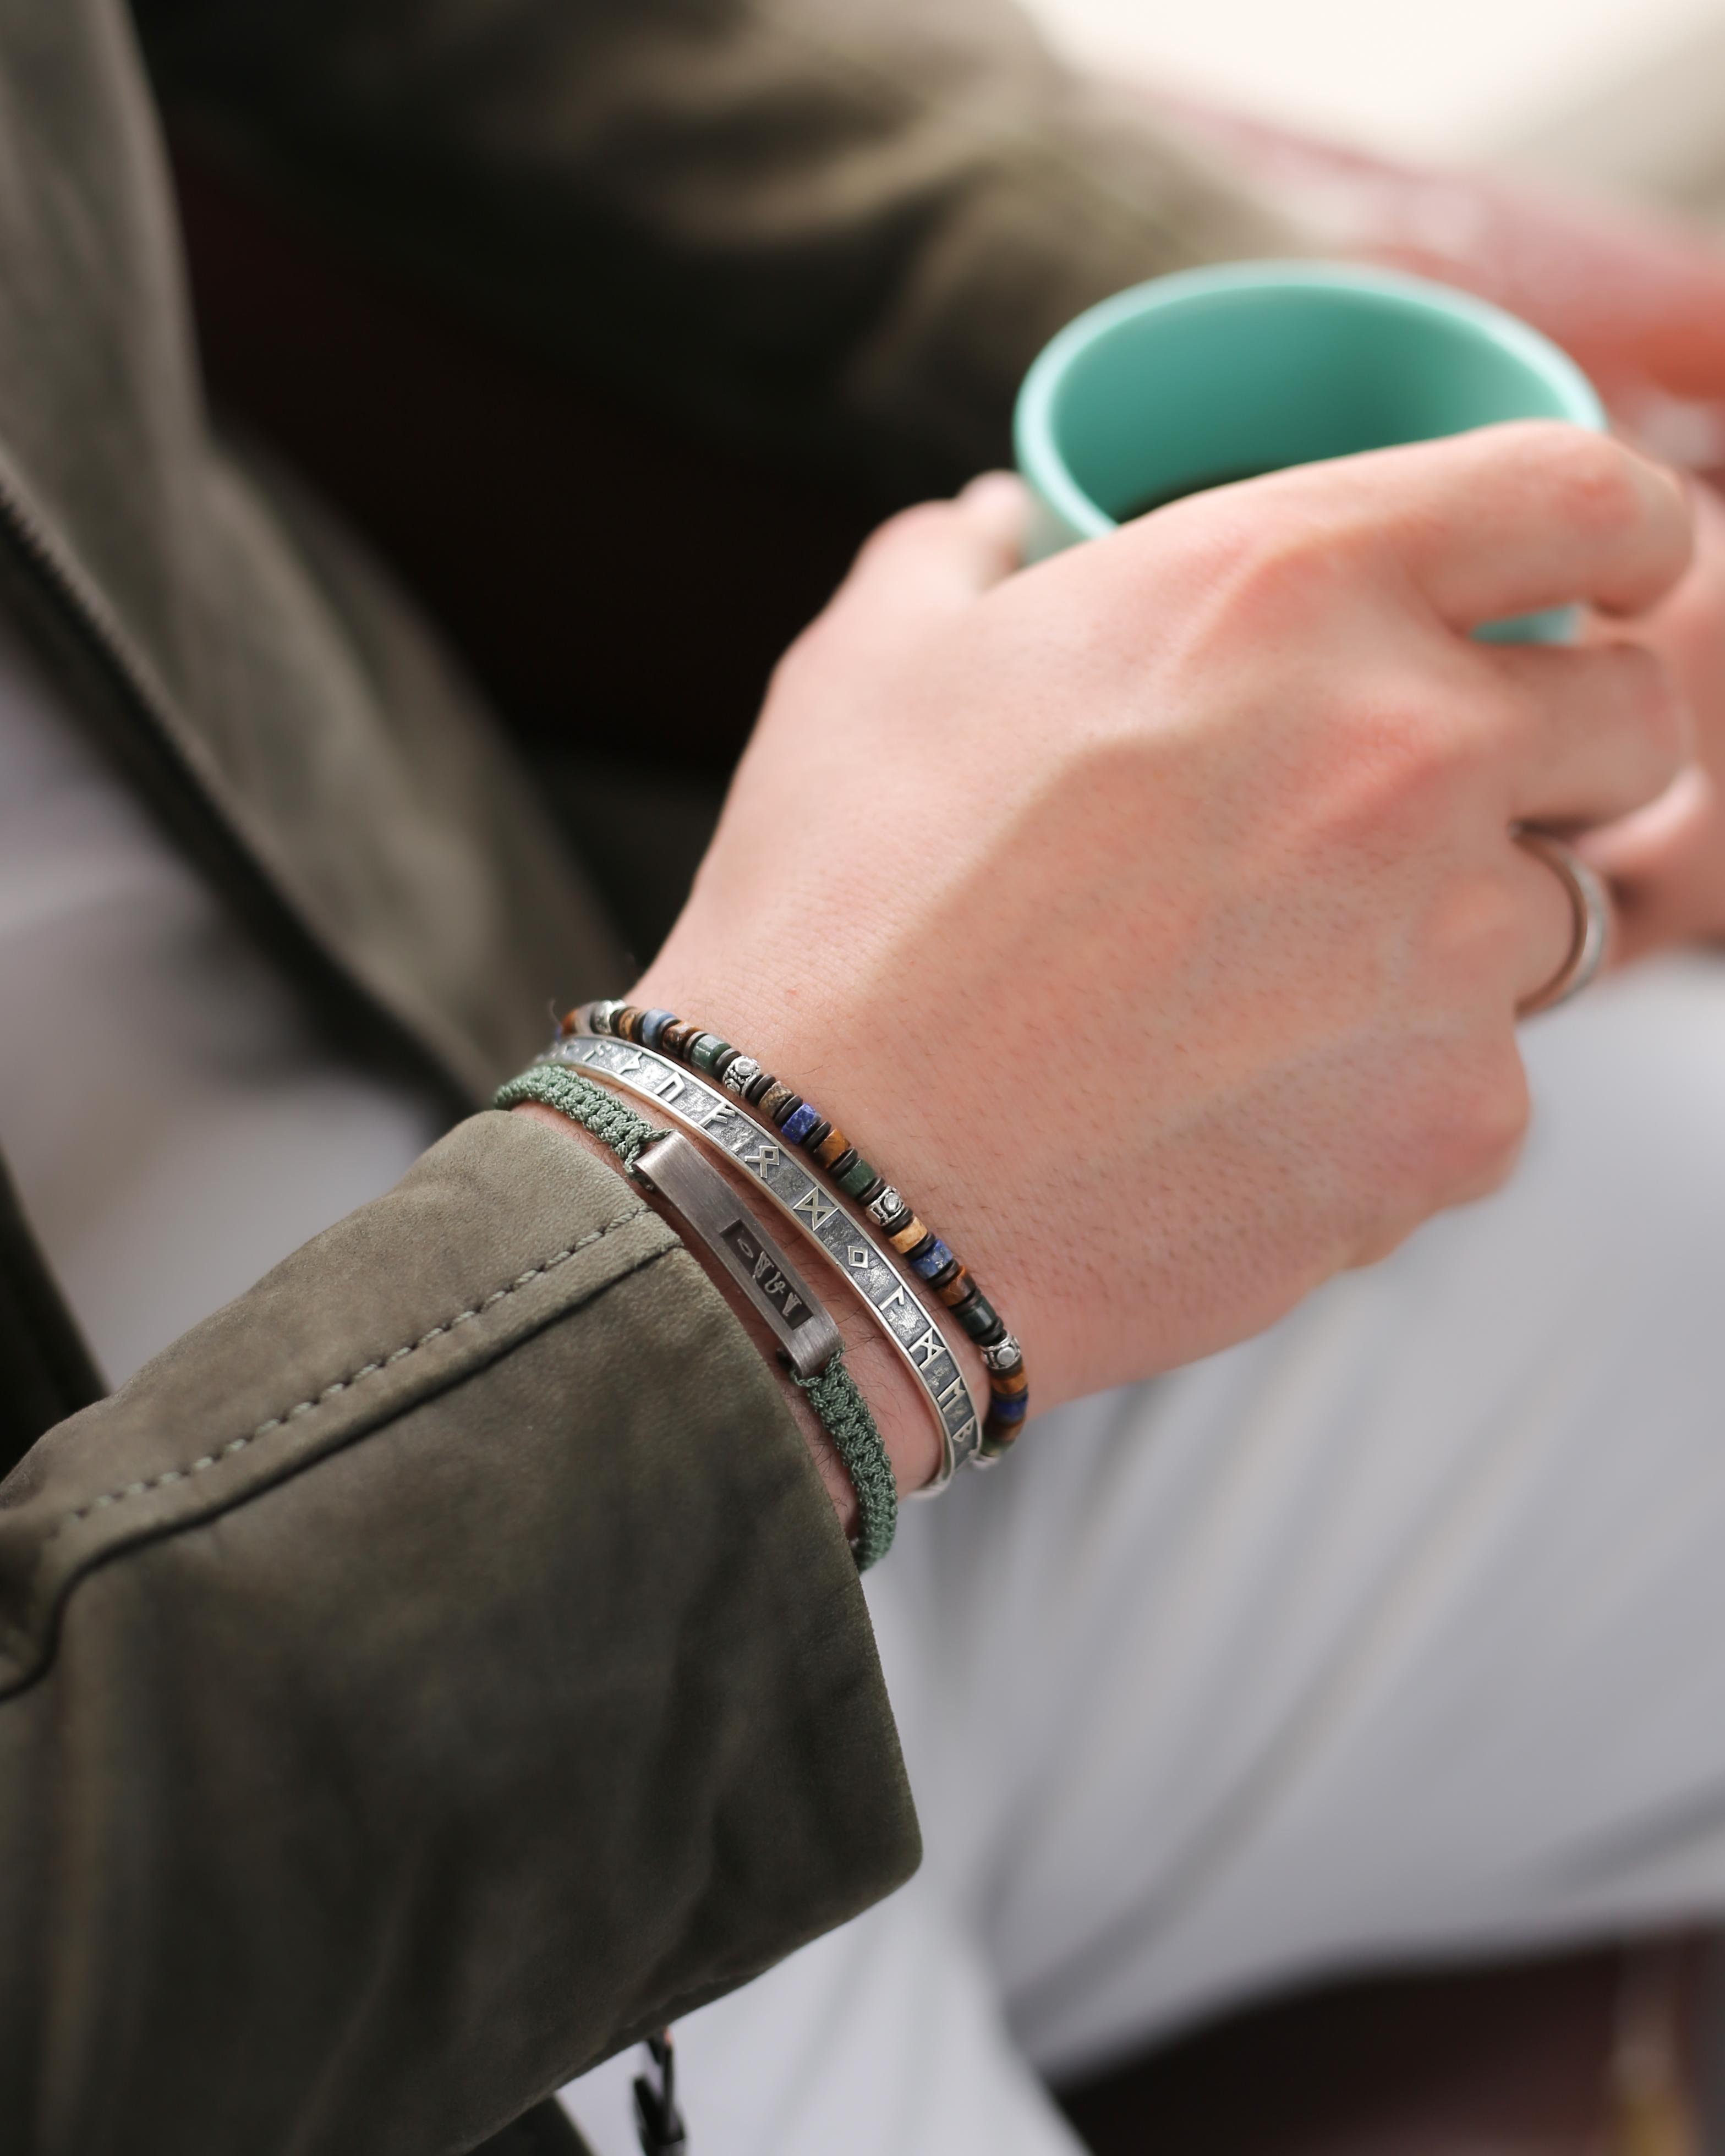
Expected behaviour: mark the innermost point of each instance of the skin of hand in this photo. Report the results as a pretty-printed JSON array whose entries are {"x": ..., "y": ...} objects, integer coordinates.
[
  {"x": 1666, "y": 865},
  {"x": 1150, "y": 917}
]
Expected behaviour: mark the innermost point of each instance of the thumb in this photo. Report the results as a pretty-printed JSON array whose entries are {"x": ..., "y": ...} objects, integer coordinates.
[{"x": 941, "y": 554}]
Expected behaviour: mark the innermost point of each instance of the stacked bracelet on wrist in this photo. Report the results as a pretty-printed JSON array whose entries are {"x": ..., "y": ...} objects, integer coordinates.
[{"x": 869, "y": 1194}]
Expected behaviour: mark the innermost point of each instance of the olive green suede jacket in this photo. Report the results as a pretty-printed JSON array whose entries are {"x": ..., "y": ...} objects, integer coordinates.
[{"x": 443, "y": 1664}]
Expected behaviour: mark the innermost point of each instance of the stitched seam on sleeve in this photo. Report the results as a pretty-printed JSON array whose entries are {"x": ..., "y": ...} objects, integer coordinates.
[{"x": 300, "y": 1409}]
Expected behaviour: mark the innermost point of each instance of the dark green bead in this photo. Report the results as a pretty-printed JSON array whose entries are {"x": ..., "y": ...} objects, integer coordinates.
[
  {"x": 705, "y": 1049},
  {"x": 868, "y": 1196},
  {"x": 857, "y": 1177},
  {"x": 841, "y": 1168},
  {"x": 982, "y": 1321}
]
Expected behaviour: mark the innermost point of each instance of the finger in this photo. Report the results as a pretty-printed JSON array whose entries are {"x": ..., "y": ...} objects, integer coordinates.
[
  {"x": 943, "y": 553},
  {"x": 1638, "y": 847},
  {"x": 1511, "y": 520},
  {"x": 1606, "y": 729},
  {"x": 1663, "y": 866}
]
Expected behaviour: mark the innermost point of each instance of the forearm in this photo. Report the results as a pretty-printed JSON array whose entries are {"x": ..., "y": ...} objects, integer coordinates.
[{"x": 448, "y": 1648}]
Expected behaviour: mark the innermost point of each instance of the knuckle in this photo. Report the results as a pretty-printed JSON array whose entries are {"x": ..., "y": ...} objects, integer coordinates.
[
  {"x": 1404, "y": 759},
  {"x": 1593, "y": 483},
  {"x": 1276, "y": 573}
]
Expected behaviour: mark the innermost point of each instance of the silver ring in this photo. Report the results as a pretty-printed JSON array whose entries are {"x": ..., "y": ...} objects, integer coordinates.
[{"x": 1590, "y": 909}]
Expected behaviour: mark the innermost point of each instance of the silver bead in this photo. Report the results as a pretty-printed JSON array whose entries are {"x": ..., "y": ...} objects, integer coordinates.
[
  {"x": 1003, "y": 1354},
  {"x": 599, "y": 1015},
  {"x": 886, "y": 1206},
  {"x": 741, "y": 1074}
]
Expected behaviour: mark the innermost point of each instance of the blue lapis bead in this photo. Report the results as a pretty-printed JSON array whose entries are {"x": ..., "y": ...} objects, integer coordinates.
[
  {"x": 652, "y": 1025},
  {"x": 1009, "y": 1410},
  {"x": 797, "y": 1124},
  {"x": 933, "y": 1260}
]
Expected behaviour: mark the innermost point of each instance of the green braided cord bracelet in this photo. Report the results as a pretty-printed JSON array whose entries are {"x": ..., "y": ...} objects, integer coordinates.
[
  {"x": 833, "y": 1394},
  {"x": 845, "y": 1417},
  {"x": 612, "y": 1122}
]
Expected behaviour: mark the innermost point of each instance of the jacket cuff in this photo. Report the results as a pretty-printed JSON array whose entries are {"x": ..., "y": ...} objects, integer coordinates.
[{"x": 449, "y": 1651}]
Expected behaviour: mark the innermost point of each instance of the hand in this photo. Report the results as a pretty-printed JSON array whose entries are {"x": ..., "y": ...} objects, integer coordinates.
[
  {"x": 1666, "y": 865},
  {"x": 1151, "y": 917}
]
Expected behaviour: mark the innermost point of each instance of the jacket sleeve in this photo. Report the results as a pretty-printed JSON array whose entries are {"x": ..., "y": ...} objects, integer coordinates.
[
  {"x": 439, "y": 1668},
  {"x": 845, "y": 225}
]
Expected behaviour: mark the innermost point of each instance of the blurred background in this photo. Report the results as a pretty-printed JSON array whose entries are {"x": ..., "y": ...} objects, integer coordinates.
[{"x": 1623, "y": 95}]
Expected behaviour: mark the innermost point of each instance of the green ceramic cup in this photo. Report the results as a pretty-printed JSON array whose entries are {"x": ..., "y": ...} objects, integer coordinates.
[{"x": 1211, "y": 375}]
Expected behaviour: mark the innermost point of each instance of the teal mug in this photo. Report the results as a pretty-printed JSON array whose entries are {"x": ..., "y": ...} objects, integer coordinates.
[{"x": 1213, "y": 375}]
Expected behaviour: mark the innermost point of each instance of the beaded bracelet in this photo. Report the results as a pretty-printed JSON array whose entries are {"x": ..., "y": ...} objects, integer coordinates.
[
  {"x": 869, "y": 1266},
  {"x": 857, "y": 1180},
  {"x": 810, "y": 1344}
]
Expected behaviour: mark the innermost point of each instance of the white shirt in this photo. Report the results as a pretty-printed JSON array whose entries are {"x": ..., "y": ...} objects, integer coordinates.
[{"x": 172, "y": 1120}]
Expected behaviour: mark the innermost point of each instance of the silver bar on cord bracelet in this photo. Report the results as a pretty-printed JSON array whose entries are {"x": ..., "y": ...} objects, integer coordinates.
[
  {"x": 782, "y": 1172},
  {"x": 695, "y": 1188}
]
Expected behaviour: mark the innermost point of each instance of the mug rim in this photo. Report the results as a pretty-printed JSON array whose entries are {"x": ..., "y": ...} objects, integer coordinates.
[{"x": 1039, "y": 458}]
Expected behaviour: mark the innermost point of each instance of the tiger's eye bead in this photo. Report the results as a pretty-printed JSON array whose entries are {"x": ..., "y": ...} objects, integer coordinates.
[
  {"x": 1008, "y": 1385},
  {"x": 740, "y": 1075},
  {"x": 883, "y": 1204},
  {"x": 652, "y": 1025},
  {"x": 817, "y": 1137},
  {"x": 676, "y": 1037},
  {"x": 626, "y": 1023},
  {"x": 832, "y": 1146},
  {"x": 956, "y": 1284},
  {"x": 799, "y": 1123},
  {"x": 857, "y": 1178},
  {"x": 776, "y": 1101},
  {"x": 909, "y": 1236}
]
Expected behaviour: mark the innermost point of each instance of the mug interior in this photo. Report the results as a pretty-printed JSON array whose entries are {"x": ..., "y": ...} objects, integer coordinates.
[{"x": 1212, "y": 385}]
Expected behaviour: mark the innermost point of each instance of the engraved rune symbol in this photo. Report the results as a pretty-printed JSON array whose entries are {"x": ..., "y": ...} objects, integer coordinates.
[
  {"x": 628, "y": 1064},
  {"x": 859, "y": 1257},
  {"x": 670, "y": 1084},
  {"x": 897, "y": 1296},
  {"x": 946, "y": 1397},
  {"x": 928, "y": 1346},
  {"x": 770, "y": 1282},
  {"x": 765, "y": 1155},
  {"x": 818, "y": 1208},
  {"x": 717, "y": 1112},
  {"x": 966, "y": 1432}
]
